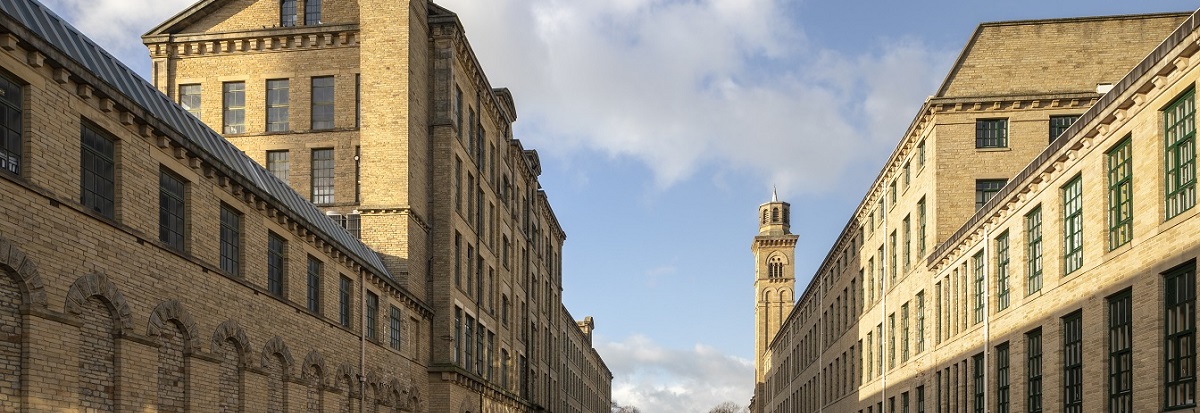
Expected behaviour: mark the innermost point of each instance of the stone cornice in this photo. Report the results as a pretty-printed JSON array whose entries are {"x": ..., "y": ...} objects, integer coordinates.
[{"x": 301, "y": 38}]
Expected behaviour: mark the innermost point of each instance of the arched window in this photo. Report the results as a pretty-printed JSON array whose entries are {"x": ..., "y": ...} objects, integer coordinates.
[
  {"x": 765, "y": 216},
  {"x": 287, "y": 13},
  {"x": 312, "y": 12},
  {"x": 774, "y": 214},
  {"x": 775, "y": 268}
]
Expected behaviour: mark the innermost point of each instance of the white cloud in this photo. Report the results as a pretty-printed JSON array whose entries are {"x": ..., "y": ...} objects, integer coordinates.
[
  {"x": 117, "y": 25},
  {"x": 663, "y": 380},
  {"x": 699, "y": 86}
]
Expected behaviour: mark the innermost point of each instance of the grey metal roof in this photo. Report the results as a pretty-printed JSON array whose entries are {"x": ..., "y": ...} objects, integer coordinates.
[{"x": 74, "y": 45}]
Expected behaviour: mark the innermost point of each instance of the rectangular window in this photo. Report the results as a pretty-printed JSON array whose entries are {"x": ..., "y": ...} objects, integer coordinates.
[
  {"x": 892, "y": 194},
  {"x": 904, "y": 332},
  {"x": 920, "y": 399},
  {"x": 1033, "y": 371},
  {"x": 1002, "y": 271},
  {"x": 907, "y": 243},
  {"x": 352, "y": 223},
  {"x": 937, "y": 310},
  {"x": 878, "y": 333},
  {"x": 312, "y": 12},
  {"x": 985, "y": 189},
  {"x": 234, "y": 118},
  {"x": 97, "y": 171},
  {"x": 189, "y": 98},
  {"x": 921, "y": 155},
  {"x": 1073, "y": 225},
  {"x": 345, "y": 288},
  {"x": 469, "y": 345},
  {"x": 1033, "y": 250},
  {"x": 322, "y": 103},
  {"x": 991, "y": 133},
  {"x": 920, "y": 321},
  {"x": 1180, "y": 126},
  {"x": 870, "y": 354},
  {"x": 1120, "y": 352},
  {"x": 278, "y": 164},
  {"x": 394, "y": 328},
  {"x": 977, "y": 383},
  {"x": 1120, "y": 194},
  {"x": 458, "y": 325},
  {"x": 231, "y": 240},
  {"x": 921, "y": 228},
  {"x": 1059, "y": 124},
  {"x": 1002, "y": 382},
  {"x": 892, "y": 247},
  {"x": 315, "y": 268},
  {"x": 322, "y": 176},
  {"x": 907, "y": 174},
  {"x": 978, "y": 261},
  {"x": 171, "y": 211},
  {"x": 11, "y": 127},
  {"x": 287, "y": 13},
  {"x": 275, "y": 263},
  {"x": 1073, "y": 363},
  {"x": 458, "y": 112},
  {"x": 277, "y": 105},
  {"x": 372, "y": 316},
  {"x": 891, "y": 340},
  {"x": 1180, "y": 342},
  {"x": 904, "y": 402}
]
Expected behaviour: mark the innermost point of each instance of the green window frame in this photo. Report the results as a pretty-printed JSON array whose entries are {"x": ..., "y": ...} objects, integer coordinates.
[
  {"x": 891, "y": 340},
  {"x": 1120, "y": 194},
  {"x": 1002, "y": 272},
  {"x": 892, "y": 246},
  {"x": 1072, "y": 195},
  {"x": 1033, "y": 250},
  {"x": 907, "y": 242},
  {"x": 921, "y": 224},
  {"x": 1120, "y": 352},
  {"x": 1033, "y": 371},
  {"x": 904, "y": 332},
  {"x": 1072, "y": 329},
  {"x": 1002, "y": 379},
  {"x": 985, "y": 189},
  {"x": 1179, "y": 119},
  {"x": 991, "y": 133},
  {"x": 1060, "y": 124},
  {"x": 920, "y": 321},
  {"x": 1179, "y": 330},
  {"x": 978, "y": 267}
]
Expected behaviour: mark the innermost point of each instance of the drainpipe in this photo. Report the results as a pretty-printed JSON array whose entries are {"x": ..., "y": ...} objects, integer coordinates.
[
  {"x": 362, "y": 339},
  {"x": 887, "y": 329}
]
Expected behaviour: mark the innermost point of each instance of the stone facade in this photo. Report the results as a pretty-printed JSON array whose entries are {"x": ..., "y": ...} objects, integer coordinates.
[
  {"x": 424, "y": 160},
  {"x": 931, "y": 302}
]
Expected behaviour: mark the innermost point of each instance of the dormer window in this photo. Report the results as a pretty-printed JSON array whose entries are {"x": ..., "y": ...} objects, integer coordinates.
[
  {"x": 287, "y": 13},
  {"x": 312, "y": 12}
]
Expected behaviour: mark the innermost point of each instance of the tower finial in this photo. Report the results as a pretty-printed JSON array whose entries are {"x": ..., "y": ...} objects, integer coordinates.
[{"x": 774, "y": 194}]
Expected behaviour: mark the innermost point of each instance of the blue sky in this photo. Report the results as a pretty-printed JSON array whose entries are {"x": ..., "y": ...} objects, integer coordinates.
[{"x": 663, "y": 124}]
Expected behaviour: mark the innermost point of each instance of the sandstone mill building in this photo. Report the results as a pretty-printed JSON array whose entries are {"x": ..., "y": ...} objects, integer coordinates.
[
  {"x": 1029, "y": 246},
  {"x": 395, "y": 251}
]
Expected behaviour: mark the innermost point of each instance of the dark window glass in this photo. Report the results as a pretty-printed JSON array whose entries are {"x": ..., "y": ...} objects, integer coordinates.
[
  {"x": 322, "y": 176},
  {"x": 920, "y": 399},
  {"x": 1073, "y": 225},
  {"x": 170, "y": 209},
  {"x": 1002, "y": 379},
  {"x": 1002, "y": 271},
  {"x": 1059, "y": 124},
  {"x": 1180, "y": 125},
  {"x": 1033, "y": 371},
  {"x": 1033, "y": 250},
  {"x": 235, "y": 107},
  {"x": 276, "y": 255},
  {"x": 345, "y": 286},
  {"x": 394, "y": 328},
  {"x": 1180, "y": 330},
  {"x": 231, "y": 240},
  {"x": 97, "y": 172},
  {"x": 315, "y": 268},
  {"x": 1073, "y": 363},
  {"x": 991, "y": 133},
  {"x": 322, "y": 103},
  {"x": 189, "y": 98},
  {"x": 277, "y": 105},
  {"x": 287, "y": 13},
  {"x": 1120, "y": 194},
  {"x": 10, "y": 125},
  {"x": 312, "y": 12},
  {"x": 980, "y": 298},
  {"x": 977, "y": 383},
  {"x": 372, "y": 315},
  {"x": 1120, "y": 353},
  {"x": 458, "y": 325},
  {"x": 985, "y": 189}
]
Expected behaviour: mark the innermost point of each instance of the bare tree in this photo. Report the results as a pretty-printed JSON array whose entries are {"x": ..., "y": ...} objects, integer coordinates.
[
  {"x": 616, "y": 408},
  {"x": 727, "y": 407}
]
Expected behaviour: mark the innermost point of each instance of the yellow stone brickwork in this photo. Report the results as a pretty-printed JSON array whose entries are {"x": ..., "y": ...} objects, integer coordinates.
[
  {"x": 889, "y": 319},
  {"x": 425, "y": 154}
]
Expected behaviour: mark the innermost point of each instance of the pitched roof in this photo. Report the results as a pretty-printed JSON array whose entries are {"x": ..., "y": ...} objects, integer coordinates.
[
  {"x": 174, "y": 121},
  {"x": 1030, "y": 55},
  {"x": 190, "y": 15}
]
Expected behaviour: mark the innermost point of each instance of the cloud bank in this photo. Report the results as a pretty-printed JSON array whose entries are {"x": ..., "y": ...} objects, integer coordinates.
[{"x": 663, "y": 380}]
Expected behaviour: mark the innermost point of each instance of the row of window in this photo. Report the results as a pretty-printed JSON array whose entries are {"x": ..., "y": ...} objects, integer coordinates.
[
  {"x": 993, "y": 133},
  {"x": 322, "y": 175},
  {"x": 289, "y": 16},
  {"x": 278, "y": 104}
]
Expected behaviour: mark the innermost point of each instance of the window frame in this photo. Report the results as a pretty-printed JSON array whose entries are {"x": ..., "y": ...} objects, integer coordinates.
[
  {"x": 1072, "y": 196},
  {"x": 1072, "y": 358},
  {"x": 1057, "y": 125},
  {"x": 1120, "y": 351},
  {"x": 192, "y": 93},
  {"x": 1003, "y": 379},
  {"x": 345, "y": 298},
  {"x": 1182, "y": 302},
  {"x": 276, "y": 264},
  {"x": 172, "y": 210},
  {"x": 986, "y": 189},
  {"x": 1033, "y": 371},
  {"x": 320, "y": 118},
  {"x": 316, "y": 270},
  {"x": 1179, "y": 161},
  {"x": 1002, "y": 266},
  {"x": 312, "y": 15},
  {"x": 278, "y": 101},
  {"x": 287, "y": 13},
  {"x": 1033, "y": 250},
  {"x": 97, "y": 167},
  {"x": 233, "y": 107},
  {"x": 231, "y": 240},
  {"x": 323, "y": 171},
  {"x": 1119, "y": 161},
  {"x": 991, "y": 133}
]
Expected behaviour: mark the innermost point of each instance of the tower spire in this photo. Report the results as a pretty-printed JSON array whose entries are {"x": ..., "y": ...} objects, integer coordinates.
[{"x": 774, "y": 194}]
